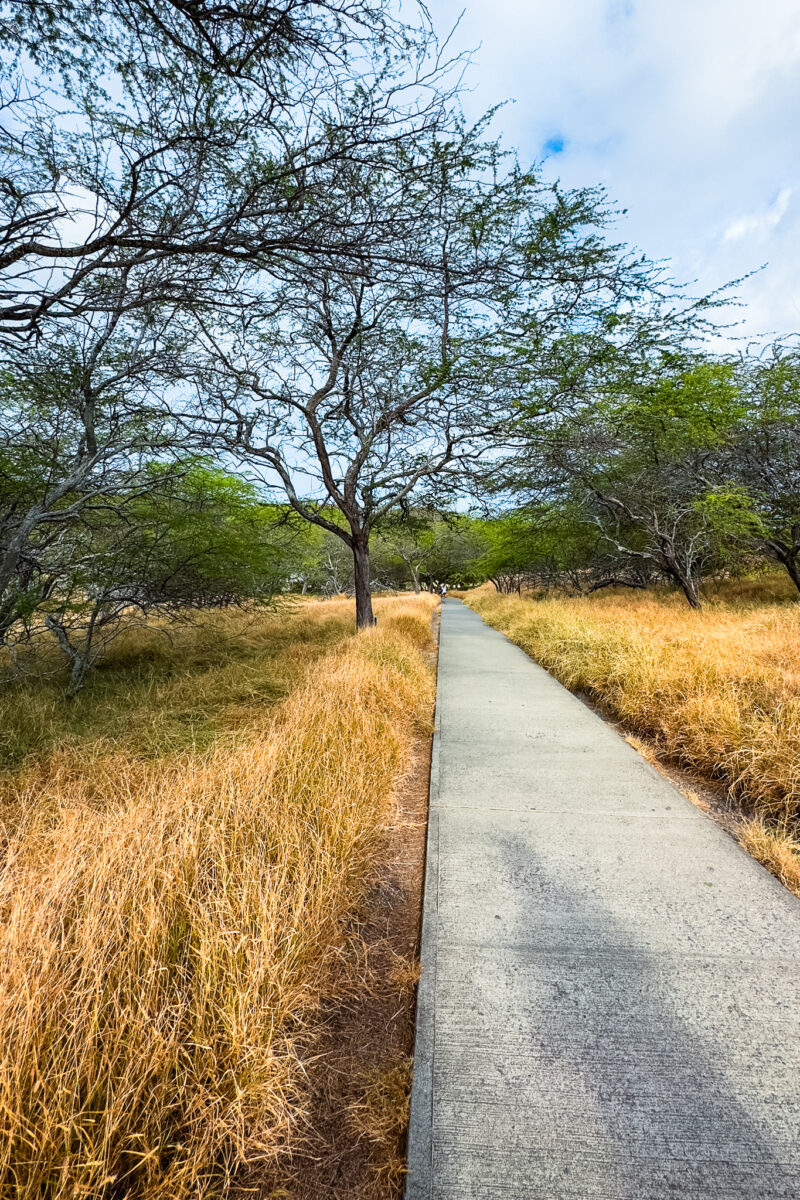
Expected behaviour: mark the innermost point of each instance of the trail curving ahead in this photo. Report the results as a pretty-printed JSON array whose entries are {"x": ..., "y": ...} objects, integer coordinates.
[{"x": 610, "y": 999}]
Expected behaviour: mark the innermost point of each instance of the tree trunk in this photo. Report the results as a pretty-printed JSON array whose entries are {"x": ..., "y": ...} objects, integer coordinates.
[
  {"x": 364, "y": 615},
  {"x": 689, "y": 588},
  {"x": 9, "y": 561},
  {"x": 788, "y": 557},
  {"x": 681, "y": 574},
  {"x": 415, "y": 577},
  {"x": 793, "y": 567},
  {"x": 77, "y": 656}
]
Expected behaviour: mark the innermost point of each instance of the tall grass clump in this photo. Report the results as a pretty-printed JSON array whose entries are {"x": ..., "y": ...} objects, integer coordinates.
[
  {"x": 170, "y": 923},
  {"x": 719, "y": 690}
]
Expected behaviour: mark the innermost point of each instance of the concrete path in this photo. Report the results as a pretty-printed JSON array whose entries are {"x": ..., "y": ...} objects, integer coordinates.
[{"x": 610, "y": 998}]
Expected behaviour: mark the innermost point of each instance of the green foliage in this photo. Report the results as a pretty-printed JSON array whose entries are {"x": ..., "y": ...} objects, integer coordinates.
[
  {"x": 424, "y": 547},
  {"x": 206, "y": 538},
  {"x": 195, "y": 538},
  {"x": 679, "y": 408},
  {"x": 537, "y": 544},
  {"x": 513, "y": 545},
  {"x": 766, "y": 458},
  {"x": 730, "y": 512}
]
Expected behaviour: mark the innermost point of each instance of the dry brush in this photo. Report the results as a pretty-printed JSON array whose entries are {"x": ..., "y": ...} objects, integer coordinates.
[{"x": 169, "y": 924}]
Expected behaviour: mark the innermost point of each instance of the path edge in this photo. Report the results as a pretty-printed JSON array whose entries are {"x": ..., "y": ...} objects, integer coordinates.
[{"x": 419, "y": 1180}]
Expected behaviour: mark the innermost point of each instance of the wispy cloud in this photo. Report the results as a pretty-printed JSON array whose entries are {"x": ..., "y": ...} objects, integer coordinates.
[{"x": 759, "y": 223}]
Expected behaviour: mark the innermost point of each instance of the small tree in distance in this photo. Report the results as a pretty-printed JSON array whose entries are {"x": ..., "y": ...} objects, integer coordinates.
[{"x": 431, "y": 545}]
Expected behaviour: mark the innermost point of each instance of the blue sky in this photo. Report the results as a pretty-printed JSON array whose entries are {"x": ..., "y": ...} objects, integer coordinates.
[{"x": 687, "y": 111}]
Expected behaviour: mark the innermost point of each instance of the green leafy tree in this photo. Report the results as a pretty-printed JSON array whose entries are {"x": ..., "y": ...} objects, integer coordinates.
[
  {"x": 764, "y": 463},
  {"x": 203, "y": 539},
  {"x": 642, "y": 456},
  {"x": 512, "y": 546},
  {"x": 426, "y": 545}
]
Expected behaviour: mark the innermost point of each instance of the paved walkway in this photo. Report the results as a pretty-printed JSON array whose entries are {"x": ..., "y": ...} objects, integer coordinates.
[{"x": 610, "y": 998}]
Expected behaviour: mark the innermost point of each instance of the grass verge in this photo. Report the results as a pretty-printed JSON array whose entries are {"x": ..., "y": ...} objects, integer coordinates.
[
  {"x": 718, "y": 691},
  {"x": 353, "y": 1140},
  {"x": 171, "y": 921},
  {"x": 776, "y": 848}
]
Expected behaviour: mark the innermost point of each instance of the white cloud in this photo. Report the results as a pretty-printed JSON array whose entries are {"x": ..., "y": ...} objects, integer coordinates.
[
  {"x": 760, "y": 223},
  {"x": 688, "y": 111}
]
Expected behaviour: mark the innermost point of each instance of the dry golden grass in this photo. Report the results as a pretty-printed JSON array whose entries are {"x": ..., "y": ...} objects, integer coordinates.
[
  {"x": 380, "y": 1114},
  {"x": 719, "y": 690},
  {"x": 777, "y": 849},
  {"x": 165, "y": 688},
  {"x": 171, "y": 916}
]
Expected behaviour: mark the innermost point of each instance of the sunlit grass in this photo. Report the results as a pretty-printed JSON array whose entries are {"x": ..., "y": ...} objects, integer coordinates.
[
  {"x": 162, "y": 688},
  {"x": 777, "y": 848},
  {"x": 173, "y": 906}
]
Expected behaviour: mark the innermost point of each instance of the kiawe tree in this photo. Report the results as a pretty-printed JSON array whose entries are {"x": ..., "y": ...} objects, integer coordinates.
[
  {"x": 81, "y": 419},
  {"x": 431, "y": 546},
  {"x": 177, "y": 141},
  {"x": 378, "y": 383},
  {"x": 348, "y": 273},
  {"x": 643, "y": 459},
  {"x": 764, "y": 461},
  {"x": 196, "y": 538},
  {"x": 413, "y": 539},
  {"x": 155, "y": 156},
  {"x": 541, "y": 545}
]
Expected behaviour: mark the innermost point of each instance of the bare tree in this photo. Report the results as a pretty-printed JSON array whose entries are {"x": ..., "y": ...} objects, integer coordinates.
[
  {"x": 364, "y": 387},
  {"x": 181, "y": 142}
]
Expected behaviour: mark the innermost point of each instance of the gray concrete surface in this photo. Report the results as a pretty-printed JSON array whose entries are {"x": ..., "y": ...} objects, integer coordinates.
[{"x": 610, "y": 998}]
